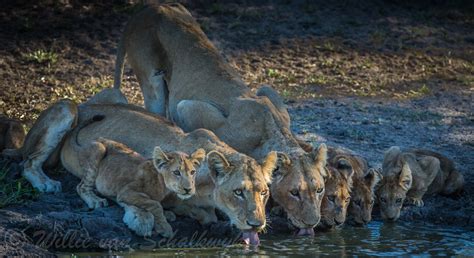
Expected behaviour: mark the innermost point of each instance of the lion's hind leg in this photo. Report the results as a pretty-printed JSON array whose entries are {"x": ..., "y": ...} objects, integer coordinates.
[
  {"x": 43, "y": 138},
  {"x": 155, "y": 93}
]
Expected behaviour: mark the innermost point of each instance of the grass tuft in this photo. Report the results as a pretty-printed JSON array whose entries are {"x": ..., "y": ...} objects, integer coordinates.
[{"x": 16, "y": 191}]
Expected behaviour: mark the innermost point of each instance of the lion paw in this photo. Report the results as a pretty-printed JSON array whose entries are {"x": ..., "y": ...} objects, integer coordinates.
[
  {"x": 164, "y": 229},
  {"x": 140, "y": 222},
  {"x": 416, "y": 202},
  {"x": 97, "y": 202},
  {"x": 170, "y": 216}
]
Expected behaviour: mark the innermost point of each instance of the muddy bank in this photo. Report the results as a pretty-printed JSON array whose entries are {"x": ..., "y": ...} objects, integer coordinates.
[{"x": 62, "y": 222}]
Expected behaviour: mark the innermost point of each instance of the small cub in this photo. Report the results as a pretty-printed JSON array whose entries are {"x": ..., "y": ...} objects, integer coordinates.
[
  {"x": 337, "y": 194},
  {"x": 136, "y": 184},
  {"x": 12, "y": 133},
  {"x": 412, "y": 174}
]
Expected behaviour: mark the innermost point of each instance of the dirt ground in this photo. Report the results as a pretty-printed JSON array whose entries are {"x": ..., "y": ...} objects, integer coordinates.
[{"x": 364, "y": 75}]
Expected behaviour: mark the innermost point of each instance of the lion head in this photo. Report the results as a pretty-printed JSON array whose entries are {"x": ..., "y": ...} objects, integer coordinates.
[
  {"x": 363, "y": 196},
  {"x": 337, "y": 194},
  {"x": 241, "y": 188},
  {"x": 178, "y": 170},
  {"x": 397, "y": 180},
  {"x": 298, "y": 187}
]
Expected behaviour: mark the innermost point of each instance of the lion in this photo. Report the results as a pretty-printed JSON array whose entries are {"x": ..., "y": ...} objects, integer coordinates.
[
  {"x": 364, "y": 181},
  {"x": 337, "y": 194},
  {"x": 12, "y": 133},
  {"x": 411, "y": 174},
  {"x": 135, "y": 183},
  {"x": 183, "y": 76},
  {"x": 232, "y": 182}
]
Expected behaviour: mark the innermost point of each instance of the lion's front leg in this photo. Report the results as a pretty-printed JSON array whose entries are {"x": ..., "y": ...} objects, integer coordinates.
[
  {"x": 90, "y": 157},
  {"x": 130, "y": 196},
  {"x": 203, "y": 215},
  {"x": 430, "y": 167}
]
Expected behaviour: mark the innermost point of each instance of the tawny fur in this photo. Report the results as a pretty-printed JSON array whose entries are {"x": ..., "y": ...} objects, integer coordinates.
[
  {"x": 142, "y": 131},
  {"x": 412, "y": 174},
  {"x": 121, "y": 174},
  {"x": 201, "y": 90}
]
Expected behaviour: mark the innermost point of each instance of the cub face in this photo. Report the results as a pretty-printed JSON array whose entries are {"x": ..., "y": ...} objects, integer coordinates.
[
  {"x": 397, "y": 180},
  {"x": 178, "y": 170},
  {"x": 337, "y": 195},
  {"x": 241, "y": 188},
  {"x": 298, "y": 187},
  {"x": 363, "y": 197}
]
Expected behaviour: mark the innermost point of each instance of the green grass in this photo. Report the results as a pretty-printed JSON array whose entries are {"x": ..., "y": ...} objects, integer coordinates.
[
  {"x": 41, "y": 57},
  {"x": 14, "y": 192}
]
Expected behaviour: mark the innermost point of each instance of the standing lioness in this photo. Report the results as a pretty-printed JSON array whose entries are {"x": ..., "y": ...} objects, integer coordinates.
[{"x": 203, "y": 91}]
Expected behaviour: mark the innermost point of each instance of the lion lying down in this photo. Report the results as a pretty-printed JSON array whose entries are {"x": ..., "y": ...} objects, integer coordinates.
[
  {"x": 136, "y": 184},
  {"x": 232, "y": 182},
  {"x": 410, "y": 175}
]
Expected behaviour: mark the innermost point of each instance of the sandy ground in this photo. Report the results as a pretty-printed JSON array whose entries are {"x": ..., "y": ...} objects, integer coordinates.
[{"x": 362, "y": 75}]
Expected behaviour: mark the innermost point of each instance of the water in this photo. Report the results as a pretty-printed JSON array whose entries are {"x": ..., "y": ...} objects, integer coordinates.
[{"x": 377, "y": 239}]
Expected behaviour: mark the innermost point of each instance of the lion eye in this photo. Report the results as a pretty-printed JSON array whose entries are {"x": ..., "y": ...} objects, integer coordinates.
[
  {"x": 264, "y": 192},
  {"x": 238, "y": 192},
  {"x": 319, "y": 190},
  {"x": 331, "y": 198},
  {"x": 192, "y": 172},
  {"x": 383, "y": 199},
  {"x": 357, "y": 202},
  {"x": 348, "y": 199},
  {"x": 295, "y": 193},
  {"x": 399, "y": 200},
  {"x": 176, "y": 172}
]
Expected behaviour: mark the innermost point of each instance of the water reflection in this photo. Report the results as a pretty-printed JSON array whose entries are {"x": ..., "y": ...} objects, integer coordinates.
[{"x": 377, "y": 239}]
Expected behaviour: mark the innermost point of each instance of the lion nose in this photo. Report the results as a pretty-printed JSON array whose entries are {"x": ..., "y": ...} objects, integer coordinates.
[
  {"x": 365, "y": 220},
  {"x": 338, "y": 222},
  {"x": 187, "y": 190},
  {"x": 391, "y": 219},
  {"x": 254, "y": 224}
]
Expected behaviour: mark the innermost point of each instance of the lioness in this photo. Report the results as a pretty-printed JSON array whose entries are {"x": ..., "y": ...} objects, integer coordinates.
[
  {"x": 12, "y": 134},
  {"x": 235, "y": 183},
  {"x": 337, "y": 194},
  {"x": 201, "y": 90},
  {"x": 411, "y": 175},
  {"x": 138, "y": 185},
  {"x": 364, "y": 181}
]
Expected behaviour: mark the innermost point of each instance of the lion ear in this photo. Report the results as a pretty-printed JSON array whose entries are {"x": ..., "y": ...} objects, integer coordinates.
[
  {"x": 373, "y": 177},
  {"x": 269, "y": 165},
  {"x": 345, "y": 167},
  {"x": 198, "y": 156},
  {"x": 160, "y": 159},
  {"x": 282, "y": 161},
  {"x": 405, "y": 179},
  {"x": 218, "y": 165},
  {"x": 320, "y": 156}
]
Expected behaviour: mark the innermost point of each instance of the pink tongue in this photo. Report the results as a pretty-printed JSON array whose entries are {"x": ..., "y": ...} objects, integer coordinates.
[
  {"x": 305, "y": 232},
  {"x": 250, "y": 238}
]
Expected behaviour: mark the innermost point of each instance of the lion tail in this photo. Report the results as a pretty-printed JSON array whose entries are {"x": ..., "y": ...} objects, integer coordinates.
[
  {"x": 119, "y": 63},
  {"x": 75, "y": 133}
]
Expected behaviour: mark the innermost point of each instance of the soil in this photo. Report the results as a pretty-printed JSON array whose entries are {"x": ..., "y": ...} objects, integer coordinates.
[{"x": 363, "y": 75}]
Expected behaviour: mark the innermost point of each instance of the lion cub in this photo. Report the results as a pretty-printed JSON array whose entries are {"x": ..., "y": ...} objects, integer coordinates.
[
  {"x": 136, "y": 184},
  {"x": 337, "y": 194},
  {"x": 364, "y": 181},
  {"x": 412, "y": 174},
  {"x": 12, "y": 134}
]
